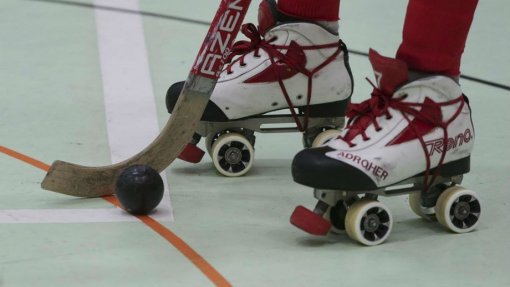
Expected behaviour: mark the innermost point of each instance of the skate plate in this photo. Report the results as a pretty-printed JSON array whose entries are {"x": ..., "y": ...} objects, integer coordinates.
[
  {"x": 310, "y": 222},
  {"x": 268, "y": 124}
]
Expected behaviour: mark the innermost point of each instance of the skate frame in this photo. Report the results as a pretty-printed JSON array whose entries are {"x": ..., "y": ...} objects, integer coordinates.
[
  {"x": 283, "y": 123},
  {"x": 414, "y": 184},
  {"x": 267, "y": 124}
]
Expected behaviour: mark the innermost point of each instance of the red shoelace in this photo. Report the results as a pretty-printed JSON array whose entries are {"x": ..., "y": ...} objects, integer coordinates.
[
  {"x": 367, "y": 113},
  {"x": 257, "y": 42}
]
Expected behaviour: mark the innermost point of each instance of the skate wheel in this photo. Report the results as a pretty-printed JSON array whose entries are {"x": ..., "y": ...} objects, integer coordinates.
[
  {"x": 418, "y": 209},
  {"x": 324, "y": 137},
  {"x": 338, "y": 212},
  {"x": 368, "y": 222},
  {"x": 191, "y": 153},
  {"x": 209, "y": 141},
  {"x": 458, "y": 209},
  {"x": 232, "y": 154},
  {"x": 310, "y": 222}
]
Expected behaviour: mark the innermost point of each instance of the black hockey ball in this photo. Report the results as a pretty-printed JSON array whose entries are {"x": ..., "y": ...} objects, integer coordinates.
[{"x": 139, "y": 189}]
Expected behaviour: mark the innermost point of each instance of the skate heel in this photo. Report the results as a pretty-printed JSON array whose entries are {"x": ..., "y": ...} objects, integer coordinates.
[
  {"x": 309, "y": 221},
  {"x": 330, "y": 110},
  {"x": 460, "y": 166},
  {"x": 318, "y": 134}
]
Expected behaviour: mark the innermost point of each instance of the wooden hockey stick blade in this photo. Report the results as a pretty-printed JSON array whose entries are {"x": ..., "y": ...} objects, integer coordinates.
[
  {"x": 76, "y": 180},
  {"x": 82, "y": 181}
]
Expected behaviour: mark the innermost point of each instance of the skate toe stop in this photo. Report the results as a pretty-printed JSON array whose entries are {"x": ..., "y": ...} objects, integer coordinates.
[
  {"x": 310, "y": 222},
  {"x": 191, "y": 153}
]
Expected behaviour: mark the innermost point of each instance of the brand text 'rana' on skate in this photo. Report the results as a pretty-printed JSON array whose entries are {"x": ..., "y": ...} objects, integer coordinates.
[{"x": 436, "y": 145}]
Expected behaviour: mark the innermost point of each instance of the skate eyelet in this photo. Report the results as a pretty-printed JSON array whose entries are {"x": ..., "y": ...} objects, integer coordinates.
[
  {"x": 242, "y": 65},
  {"x": 378, "y": 129},
  {"x": 366, "y": 139},
  {"x": 229, "y": 73},
  {"x": 389, "y": 117}
]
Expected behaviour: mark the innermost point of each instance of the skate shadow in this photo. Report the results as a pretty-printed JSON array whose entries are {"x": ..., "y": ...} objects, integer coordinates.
[
  {"x": 311, "y": 241},
  {"x": 261, "y": 167},
  {"x": 199, "y": 169},
  {"x": 403, "y": 231},
  {"x": 272, "y": 167},
  {"x": 416, "y": 229}
]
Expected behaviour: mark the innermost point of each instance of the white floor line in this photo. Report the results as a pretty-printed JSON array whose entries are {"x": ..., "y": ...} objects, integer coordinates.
[
  {"x": 93, "y": 215},
  {"x": 130, "y": 109}
]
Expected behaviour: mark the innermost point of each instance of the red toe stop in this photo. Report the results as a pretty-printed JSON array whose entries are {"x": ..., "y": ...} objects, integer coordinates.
[
  {"x": 310, "y": 222},
  {"x": 191, "y": 153}
]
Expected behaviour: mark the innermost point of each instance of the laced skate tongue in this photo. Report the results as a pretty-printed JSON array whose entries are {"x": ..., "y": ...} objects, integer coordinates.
[
  {"x": 389, "y": 73},
  {"x": 267, "y": 16}
]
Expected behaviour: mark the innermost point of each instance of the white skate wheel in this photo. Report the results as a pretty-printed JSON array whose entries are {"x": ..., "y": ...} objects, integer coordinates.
[
  {"x": 418, "y": 209},
  {"x": 209, "y": 141},
  {"x": 324, "y": 137},
  {"x": 232, "y": 154},
  {"x": 458, "y": 209},
  {"x": 368, "y": 222},
  {"x": 337, "y": 213}
]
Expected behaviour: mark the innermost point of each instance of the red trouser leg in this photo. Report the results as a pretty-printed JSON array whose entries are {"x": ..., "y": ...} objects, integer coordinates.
[
  {"x": 323, "y": 10},
  {"x": 435, "y": 33}
]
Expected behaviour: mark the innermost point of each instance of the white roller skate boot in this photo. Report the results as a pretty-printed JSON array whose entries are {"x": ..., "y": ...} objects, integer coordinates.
[
  {"x": 411, "y": 136},
  {"x": 287, "y": 64}
]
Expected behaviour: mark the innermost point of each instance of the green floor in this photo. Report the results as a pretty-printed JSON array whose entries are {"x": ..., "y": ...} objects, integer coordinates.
[{"x": 53, "y": 107}]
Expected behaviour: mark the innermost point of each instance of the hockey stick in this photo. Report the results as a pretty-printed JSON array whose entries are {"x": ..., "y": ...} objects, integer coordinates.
[{"x": 82, "y": 181}]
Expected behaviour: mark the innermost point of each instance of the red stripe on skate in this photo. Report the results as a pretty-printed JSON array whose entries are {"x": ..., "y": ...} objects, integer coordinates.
[
  {"x": 310, "y": 222},
  {"x": 168, "y": 235}
]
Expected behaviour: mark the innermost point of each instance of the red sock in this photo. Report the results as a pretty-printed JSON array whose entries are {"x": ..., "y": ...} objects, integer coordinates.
[
  {"x": 316, "y": 10},
  {"x": 435, "y": 33}
]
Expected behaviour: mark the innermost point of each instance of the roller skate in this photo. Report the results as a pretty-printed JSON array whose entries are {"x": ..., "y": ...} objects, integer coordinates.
[
  {"x": 413, "y": 136},
  {"x": 292, "y": 76}
]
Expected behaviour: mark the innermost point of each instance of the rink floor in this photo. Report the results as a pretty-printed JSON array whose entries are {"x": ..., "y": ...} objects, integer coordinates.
[{"x": 87, "y": 85}]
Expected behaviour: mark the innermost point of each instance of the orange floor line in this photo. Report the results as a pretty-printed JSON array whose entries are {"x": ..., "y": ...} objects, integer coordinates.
[
  {"x": 182, "y": 246},
  {"x": 24, "y": 158},
  {"x": 168, "y": 235}
]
